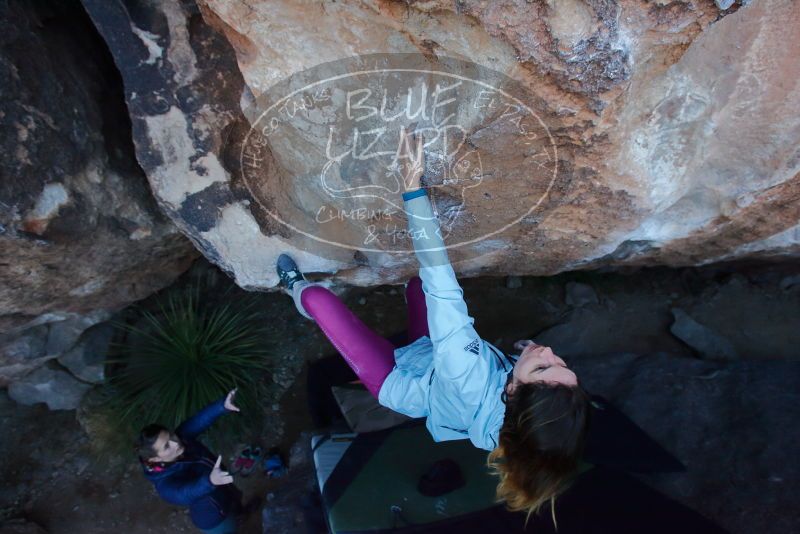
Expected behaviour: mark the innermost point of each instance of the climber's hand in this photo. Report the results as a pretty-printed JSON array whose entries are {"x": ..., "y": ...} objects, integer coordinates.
[
  {"x": 229, "y": 405},
  {"x": 219, "y": 477}
]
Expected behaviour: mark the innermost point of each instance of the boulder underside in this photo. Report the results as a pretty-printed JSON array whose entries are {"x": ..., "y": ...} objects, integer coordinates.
[{"x": 656, "y": 134}]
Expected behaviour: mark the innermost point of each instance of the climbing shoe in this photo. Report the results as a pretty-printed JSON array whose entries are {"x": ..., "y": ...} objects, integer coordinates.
[{"x": 288, "y": 271}]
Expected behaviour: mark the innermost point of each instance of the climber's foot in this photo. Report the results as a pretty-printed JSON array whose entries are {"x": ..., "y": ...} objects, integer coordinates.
[{"x": 288, "y": 271}]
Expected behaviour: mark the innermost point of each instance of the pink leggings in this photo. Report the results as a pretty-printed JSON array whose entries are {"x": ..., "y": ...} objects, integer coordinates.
[{"x": 368, "y": 354}]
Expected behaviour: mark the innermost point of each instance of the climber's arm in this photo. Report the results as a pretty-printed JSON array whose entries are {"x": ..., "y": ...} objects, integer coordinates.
[{"x": 455, "y": 341}]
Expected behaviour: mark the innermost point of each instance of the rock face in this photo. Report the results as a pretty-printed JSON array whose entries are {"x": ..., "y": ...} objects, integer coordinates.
[
  {"x": 80, "y": 233},
  {"x": 630, "y": 133}
]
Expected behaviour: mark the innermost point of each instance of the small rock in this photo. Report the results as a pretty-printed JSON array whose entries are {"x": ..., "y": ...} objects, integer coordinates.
[
  {"x": 738, "y": 280},
  {"x": 57, "y": 388},
  {"x": 62, "y": 335},
  {"x": 701, "y": 338},
  {"x": 86, "y": 360},
  {"x": 513, "y": 282},
  {"x": 579, "y": 294},
  {"x": 28, "y": 346},
  {"x": 724, "y": 4},
  {"x": 788, "y": 283},
  {"x": 81, "y": 464},
  {"x": 21, "y": 354},
  {"x": 362, "y": 301}
]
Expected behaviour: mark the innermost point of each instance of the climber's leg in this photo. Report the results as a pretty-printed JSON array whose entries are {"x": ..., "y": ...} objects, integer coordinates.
[
  {"x": 417, "y": 310},
  {"x": 297, "y": 290},
  {"x": 367, "y": 353}
]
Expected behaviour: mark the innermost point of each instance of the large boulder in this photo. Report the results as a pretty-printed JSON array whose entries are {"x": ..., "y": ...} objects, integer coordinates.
[
  {"x": 80, "y": 232},
  {"x": 657, "y": 133}
]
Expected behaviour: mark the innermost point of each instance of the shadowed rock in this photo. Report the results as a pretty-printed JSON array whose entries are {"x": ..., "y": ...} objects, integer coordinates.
[{"x": 80, "y": 233}]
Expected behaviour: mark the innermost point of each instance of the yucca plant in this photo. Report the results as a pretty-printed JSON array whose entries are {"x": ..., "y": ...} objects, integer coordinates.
[{"x": 184, "y": 355}]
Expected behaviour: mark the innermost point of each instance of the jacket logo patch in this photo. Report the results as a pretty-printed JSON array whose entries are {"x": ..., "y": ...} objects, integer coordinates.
[{"x": 474, "y": 346}]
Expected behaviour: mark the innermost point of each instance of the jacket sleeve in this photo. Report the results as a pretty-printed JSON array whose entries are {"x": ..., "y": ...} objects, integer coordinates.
[
  {"x": 456, "y": 344},
  {"x": 199, "y": 422},
  {"x": 184, "y": 491}
]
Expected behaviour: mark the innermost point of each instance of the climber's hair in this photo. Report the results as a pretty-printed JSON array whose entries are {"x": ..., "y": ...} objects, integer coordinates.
[
  {"x": 540, "y": 445},
  {"x": 146, "y": 439}
]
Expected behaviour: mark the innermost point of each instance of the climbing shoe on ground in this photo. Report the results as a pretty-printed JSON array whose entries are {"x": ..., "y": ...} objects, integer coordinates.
[
  {"x": 244, "y": 463},
  {"x": 288, "y": 271}
]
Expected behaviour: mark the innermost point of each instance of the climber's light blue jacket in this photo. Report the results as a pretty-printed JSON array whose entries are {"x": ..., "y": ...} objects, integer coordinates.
[{"x": 454, "y": 378}]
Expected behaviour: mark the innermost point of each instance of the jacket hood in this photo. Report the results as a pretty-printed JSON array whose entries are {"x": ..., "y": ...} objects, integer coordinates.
[{"x": 159, "y": 470}]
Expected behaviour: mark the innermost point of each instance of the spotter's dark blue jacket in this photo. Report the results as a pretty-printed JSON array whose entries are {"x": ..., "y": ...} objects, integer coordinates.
[{"x": 185, "y": 481}]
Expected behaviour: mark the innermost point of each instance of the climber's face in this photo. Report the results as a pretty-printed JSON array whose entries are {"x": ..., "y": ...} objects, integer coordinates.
[
  {"x": 537, "y": 363},
  {"x": 167, "y": 447}
]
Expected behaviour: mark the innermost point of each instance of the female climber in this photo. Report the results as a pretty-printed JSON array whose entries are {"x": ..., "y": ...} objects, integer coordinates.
[{"x": 529, "y": 411}]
